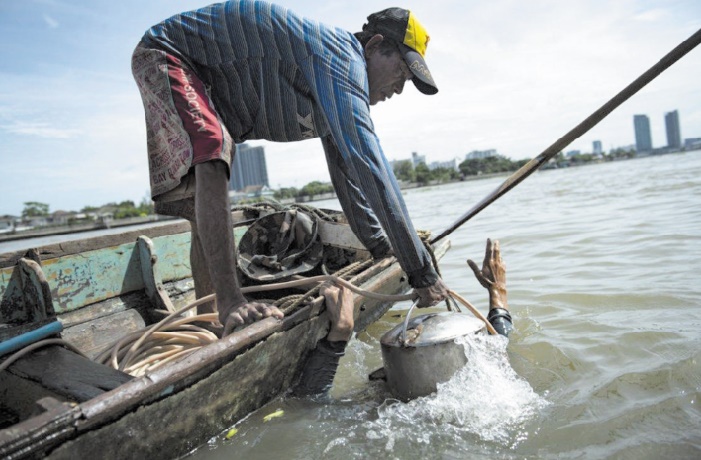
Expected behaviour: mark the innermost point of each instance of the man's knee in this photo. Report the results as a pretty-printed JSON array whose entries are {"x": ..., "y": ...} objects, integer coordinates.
[{"x": 184, "y": 209}]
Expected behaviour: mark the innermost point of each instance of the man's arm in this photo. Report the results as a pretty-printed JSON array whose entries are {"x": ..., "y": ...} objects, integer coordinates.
[
  {"x": 214, "y": 227},
  {"x": 493, "y": 277},
  {"x": 361, "y": 218},
  {"x": 341, "y": 90},
  {"x": 320, "y": 368}
]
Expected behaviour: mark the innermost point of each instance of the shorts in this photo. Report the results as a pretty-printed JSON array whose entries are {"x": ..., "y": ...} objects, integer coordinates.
[{"x": 182, "y": 126}]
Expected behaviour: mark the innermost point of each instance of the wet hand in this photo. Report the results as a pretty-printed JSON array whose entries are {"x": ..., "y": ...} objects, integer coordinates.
[
  {"x": 493, "y": 273},
  {"x": 431, "y": 295},
  {"x": 339, "y": 304},
  {"x": 247, "y": 313}
]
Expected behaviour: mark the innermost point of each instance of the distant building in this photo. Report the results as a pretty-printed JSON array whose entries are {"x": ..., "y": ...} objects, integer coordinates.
[
  {"x": 643, "y": 138},
  {"x": 674, "y": 135},
  {"x": 7, "y": 223},
  {"x": 248, "y": 168},
  {"x": 451, "y": 164},
  {"x": 62, "y": 217},
  {"x": 692, "y": 143},
  {"x": 257, "y": 191},
  {"x": 597, "y": 149},
  {"x": 417, "y": 159},
  {"x": 477, "y": 154},
  {"x": 573, "y": 153}
]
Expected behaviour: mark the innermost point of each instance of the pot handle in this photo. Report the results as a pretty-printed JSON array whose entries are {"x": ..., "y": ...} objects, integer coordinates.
[{"x": 406, "y": 321}]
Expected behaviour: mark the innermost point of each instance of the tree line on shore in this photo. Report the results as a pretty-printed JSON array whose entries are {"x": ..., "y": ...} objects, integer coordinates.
[{"x": 123, "y": 210}]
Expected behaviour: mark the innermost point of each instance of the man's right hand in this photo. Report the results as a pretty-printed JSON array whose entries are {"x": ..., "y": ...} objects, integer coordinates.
[
  {"x": 247, "y": 313},
  {"x": 431, "y": 295},
  {"x": 492, "y": 275}
]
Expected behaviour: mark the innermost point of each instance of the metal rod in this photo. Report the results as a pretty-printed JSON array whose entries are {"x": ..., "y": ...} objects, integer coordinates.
[{"x": 593, "y": 119}]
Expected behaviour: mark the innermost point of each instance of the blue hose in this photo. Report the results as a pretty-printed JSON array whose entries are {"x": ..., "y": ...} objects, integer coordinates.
[{"x": 28, "y": 338}]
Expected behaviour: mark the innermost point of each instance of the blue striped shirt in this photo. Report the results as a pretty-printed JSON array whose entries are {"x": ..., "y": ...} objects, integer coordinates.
[{"x": 277, "y": 76}]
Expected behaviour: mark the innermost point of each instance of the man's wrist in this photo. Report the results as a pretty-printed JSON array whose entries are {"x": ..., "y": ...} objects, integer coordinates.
[
  {"x": 423, "y": 278},
  {"x": 497, "y": 299}
]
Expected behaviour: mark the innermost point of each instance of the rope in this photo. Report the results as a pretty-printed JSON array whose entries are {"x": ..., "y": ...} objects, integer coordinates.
[
  {"x": 314, "y": 211},
  {"x": 474, "y": 311},
  {"x": 425, "y": 236}
]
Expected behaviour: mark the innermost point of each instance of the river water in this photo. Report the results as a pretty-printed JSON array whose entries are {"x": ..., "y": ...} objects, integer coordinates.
[{"x": 603, "y": 266}]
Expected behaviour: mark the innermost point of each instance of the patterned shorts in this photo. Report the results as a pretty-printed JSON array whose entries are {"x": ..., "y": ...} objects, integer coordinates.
[{"x": 182, "y": 127}]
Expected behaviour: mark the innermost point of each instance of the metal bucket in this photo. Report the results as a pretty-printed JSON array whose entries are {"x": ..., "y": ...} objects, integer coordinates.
[{"x": 422, "y": 352}]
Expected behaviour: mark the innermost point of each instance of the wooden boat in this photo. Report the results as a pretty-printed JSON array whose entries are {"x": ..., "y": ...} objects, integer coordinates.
[{"x": 56, "y": 404}]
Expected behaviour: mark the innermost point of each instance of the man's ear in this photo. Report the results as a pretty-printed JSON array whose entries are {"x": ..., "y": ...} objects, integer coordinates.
[{"x": 372, "y": 45}]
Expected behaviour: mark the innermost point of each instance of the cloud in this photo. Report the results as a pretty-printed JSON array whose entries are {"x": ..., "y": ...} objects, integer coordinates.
[
  {"x": 51, "y": 22},
  {"x": 42, "y": 130},
  {"x": 653, "y": 15}
]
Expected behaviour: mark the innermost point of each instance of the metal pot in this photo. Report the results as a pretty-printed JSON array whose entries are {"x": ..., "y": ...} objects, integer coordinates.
[{"x": 422, "y": 352}]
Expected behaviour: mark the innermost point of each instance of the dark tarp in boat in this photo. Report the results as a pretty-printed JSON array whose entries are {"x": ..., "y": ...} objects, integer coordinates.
[{"x": 280, "y": 245}]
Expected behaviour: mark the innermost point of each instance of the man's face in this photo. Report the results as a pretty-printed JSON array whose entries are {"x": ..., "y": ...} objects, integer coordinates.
[{"x": 386, "y": 74}]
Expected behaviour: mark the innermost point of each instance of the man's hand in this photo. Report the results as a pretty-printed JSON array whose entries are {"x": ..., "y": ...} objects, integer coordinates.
[
  {"x": 339, "y": 304},
  {"x": 431, "y": 295},
  {"x": 492, "y": 275},
  {"x": 246, "y": 313}
]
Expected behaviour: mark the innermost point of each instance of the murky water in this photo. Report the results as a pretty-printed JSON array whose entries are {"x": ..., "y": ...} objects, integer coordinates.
[
  {"x": 603, "y": 277},
  {"x": 605, "y": 362}
]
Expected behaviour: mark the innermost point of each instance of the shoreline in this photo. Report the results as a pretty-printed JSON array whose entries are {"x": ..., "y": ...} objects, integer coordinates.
[{"x": 79, "y": 228}]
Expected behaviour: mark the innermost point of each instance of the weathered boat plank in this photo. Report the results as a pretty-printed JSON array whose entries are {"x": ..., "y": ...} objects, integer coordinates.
[
  {"x": 174, "y": 426},
  {"x": 94, "y": 336},
  {"x": 82, "y": 279},
  {"x": 38, "y": 433},
  {"x": 90, "y": 244},
  {"x": 68, "y": 374}
]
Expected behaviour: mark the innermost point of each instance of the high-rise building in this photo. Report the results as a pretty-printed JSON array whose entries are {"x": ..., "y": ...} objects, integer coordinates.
[
  {"x": 417, "y": 159},
  {"x": 248, "y": 168},
  {"x": 674, "y": 135},
  {"x": 643, "y": 138},
  {"x": 596, "y": 148},
  {"x": 479, "y": 154}
]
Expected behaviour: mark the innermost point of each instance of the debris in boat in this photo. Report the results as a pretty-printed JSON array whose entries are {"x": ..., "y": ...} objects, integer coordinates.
[
  {"x": 280, "y": 245},
  {"x": 231, "y": 433},
  {"x": 276, "y": 414}
]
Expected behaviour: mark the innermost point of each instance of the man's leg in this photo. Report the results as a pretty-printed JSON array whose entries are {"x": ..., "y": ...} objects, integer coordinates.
[
  {"x": 185, "y": 209},
  {"x": 320, "y": 368},
  {"x": 200, "y": 271},
  {"x": 214, "y": 232}
]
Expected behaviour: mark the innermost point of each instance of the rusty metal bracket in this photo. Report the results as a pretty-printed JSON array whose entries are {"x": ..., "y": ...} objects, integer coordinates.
[{"x": 153, "y": 283}]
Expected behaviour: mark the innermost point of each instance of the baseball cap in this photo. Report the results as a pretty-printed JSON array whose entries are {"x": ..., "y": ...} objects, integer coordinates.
[{"x": 402, "y": 26}]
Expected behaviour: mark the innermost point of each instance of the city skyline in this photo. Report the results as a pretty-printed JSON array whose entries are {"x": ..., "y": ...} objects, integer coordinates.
[
  {"x": 674, "y": 135},
  {"x": 512, "y": 76},
  {"x": 248, "y": 167}
]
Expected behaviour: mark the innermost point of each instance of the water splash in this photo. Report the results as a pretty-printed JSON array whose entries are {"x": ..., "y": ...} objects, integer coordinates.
[{"x": 486, "y": 398}]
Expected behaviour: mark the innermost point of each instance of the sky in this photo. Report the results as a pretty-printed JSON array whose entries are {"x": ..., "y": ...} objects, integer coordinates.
[{"x": 513, "y": 75}]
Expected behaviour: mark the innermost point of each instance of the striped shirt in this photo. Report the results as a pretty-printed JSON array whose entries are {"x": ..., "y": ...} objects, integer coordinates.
[{"x": 277, "y": 76}]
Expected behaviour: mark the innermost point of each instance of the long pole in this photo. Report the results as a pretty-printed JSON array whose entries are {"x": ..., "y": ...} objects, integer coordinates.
[{"x": 527, "y": 169}]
